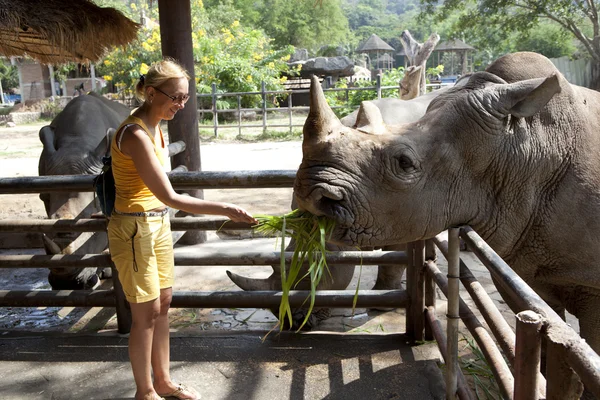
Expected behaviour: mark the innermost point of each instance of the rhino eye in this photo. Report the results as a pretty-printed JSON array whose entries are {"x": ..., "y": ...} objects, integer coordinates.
[{"x": 406, "y": 163}]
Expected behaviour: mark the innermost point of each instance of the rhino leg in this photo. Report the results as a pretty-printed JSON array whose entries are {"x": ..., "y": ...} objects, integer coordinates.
[{"x": 389, "y": 277}]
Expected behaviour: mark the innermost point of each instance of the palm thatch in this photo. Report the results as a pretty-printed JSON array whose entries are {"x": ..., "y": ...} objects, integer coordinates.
[{"x": 59, "y": 31}]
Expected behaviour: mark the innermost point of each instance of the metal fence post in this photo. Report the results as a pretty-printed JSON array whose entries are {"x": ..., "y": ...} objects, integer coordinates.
[
  {"x": 453, "y": 315},
  {"x": 528, "y": 350},
  {"x": 290, "y": 111},
  {"x": 430, "y": 297},
  {"x": 410, "y": 283},
  {"x": 122, "y": 306},
  {"x": 239, "y": 109},
  {"x": 214, "y": 109},
  {"x": 378, "y": 86},
  {"x": 417, "y": 295},
  {"x": 264, "y": 106}
]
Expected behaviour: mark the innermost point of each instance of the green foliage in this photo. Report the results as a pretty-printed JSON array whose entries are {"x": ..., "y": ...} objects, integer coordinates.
[
  {"x": 238, "y": 59},
  {"x": 337, "y": 99},
  {"x": 9, "y": 76},
  {"x": 310, "y": 234},
  {"x": 306, "y": 24},
  {"x": 545, "y": 26},
  {"x": 123, "y": 66}
]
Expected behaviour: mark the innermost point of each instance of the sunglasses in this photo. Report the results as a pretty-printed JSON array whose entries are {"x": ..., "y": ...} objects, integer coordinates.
[{"x": 176, "y": 99}]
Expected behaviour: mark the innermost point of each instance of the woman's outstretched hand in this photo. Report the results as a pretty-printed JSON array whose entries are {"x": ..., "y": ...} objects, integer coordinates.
[{"x": 238, "y": 214}]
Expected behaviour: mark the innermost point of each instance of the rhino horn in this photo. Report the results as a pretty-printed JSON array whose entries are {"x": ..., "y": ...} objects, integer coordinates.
[
  {"x": 321, "y": 119},
  {"x": 369, "y": 119},
  {"x": 50, "y": 246},
  {"x": 253, "y": 283}
]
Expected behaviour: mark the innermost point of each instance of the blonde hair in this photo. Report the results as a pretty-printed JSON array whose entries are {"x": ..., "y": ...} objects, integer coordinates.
[{"x": 159, "y": 73}]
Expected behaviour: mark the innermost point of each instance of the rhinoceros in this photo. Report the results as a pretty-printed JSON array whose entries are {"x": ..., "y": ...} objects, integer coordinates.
[
  {"x": 74, "y": 143},
  {"x": 513, "y": 153},
  {"x": 392, "y": 111}
]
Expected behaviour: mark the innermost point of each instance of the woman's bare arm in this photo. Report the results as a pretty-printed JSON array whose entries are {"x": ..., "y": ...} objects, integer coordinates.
[{"x": 139, "y": 147}]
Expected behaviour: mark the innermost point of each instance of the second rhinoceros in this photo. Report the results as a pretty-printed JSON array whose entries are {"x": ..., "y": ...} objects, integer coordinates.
[
  {"x": 74, "y": 143},
  {"x": 512, "y": 153}
]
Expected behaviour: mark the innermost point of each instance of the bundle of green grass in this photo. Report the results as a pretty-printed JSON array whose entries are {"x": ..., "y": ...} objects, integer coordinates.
[{"x": 310, "y": 234}]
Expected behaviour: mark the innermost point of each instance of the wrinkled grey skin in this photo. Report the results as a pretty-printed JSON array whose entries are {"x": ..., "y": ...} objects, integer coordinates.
[
  {"x": 513, "y": 153},
  {"x": 74, "y": 143}
]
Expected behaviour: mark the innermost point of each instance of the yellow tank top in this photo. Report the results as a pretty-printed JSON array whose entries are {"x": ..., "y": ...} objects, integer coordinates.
[{"x": 132, "y": 195}]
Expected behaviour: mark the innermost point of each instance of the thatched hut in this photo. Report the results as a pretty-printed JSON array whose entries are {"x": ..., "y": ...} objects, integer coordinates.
[
  {"x": 59, "y": 31},
  {"x": 56, "y": 32}
]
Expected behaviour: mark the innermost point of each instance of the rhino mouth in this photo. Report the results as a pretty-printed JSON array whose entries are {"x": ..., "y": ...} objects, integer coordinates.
[{"x": 329, "y": 201}]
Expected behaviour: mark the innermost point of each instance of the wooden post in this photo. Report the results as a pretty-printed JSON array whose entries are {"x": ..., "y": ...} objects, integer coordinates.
[
  {"x": 528, "y": 351},
  {"x": 264, "y": 106},
  {"x": 123, "y": 309},
  {"x": 176, "y": 41},
  {"x": 561, "y": 382}
]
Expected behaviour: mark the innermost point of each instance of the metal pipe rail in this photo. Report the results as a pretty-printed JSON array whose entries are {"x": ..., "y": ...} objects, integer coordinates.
[
  {"x": 179, "y": 180},
  {"x": 100, "y": 225},
  {"x": 579, "y": 355},
  {"x": 350, "y": 258},
  {"x": 183, "y": 299},
  {"x": 565, "y": 349}
]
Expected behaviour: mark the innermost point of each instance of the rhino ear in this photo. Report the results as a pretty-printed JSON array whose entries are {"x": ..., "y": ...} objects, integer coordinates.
[
  {"x": 47, "y": 138},
  {"x": 321, "y": 119},
  {"x": 369, "y": 119},
  {"x": 528, "y": 97}
]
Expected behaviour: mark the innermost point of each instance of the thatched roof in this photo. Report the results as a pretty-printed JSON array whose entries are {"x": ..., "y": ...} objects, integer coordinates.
[
  {"x": 374, "y": 43},
  {"x": 455, "y": 44},
  {"x": 59, "y": 31}
]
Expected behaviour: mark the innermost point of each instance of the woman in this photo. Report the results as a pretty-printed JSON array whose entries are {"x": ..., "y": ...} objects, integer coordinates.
[{"x": 139, "y": 230}]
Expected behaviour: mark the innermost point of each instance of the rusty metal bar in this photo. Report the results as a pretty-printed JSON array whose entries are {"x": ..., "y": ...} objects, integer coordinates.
[
  {"x": 438, "y": 335},
  {"x": 501, "y": 330},
  {"x": 498, "y": 325},
  {"x": 453, "y": 295},
  {"x": 350, "y": 258},
  {"x": 410, "y": 283},
  {"x": 100, "y": 224},
  {"x": 430, "y": 295},
  {"x": 480, "y": 334},
  {"x": 419, "y": 291},
  {"x": 182, "y": 180},
  {"x": 251, "y": 299},
  {"x": 581, "y": 357},
  {"x": 528, "y": 355}
]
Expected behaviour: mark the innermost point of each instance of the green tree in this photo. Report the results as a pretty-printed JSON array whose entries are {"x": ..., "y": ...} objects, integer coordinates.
[
  {"x": 505, "y": 18},
  {"x": 303, "y": 23},
  {"x": 9, "y": 76}
]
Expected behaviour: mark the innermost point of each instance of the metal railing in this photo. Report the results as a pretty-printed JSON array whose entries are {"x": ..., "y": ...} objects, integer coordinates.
[
  {"x": 289, "y": 109},
  {"x": 515, "y": 360}
]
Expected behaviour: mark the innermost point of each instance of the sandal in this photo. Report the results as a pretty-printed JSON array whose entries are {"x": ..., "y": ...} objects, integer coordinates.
[
  {"x": 183, "y": 393},
  {"x": 153, "y": 396}
]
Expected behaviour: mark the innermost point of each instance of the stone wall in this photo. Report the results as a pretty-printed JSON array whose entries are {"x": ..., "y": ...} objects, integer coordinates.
[{"x": 24, "y": 117}]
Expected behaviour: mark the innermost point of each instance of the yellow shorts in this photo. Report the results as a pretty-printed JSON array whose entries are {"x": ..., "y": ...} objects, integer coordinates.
[{"x": 142, "y": 250}]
